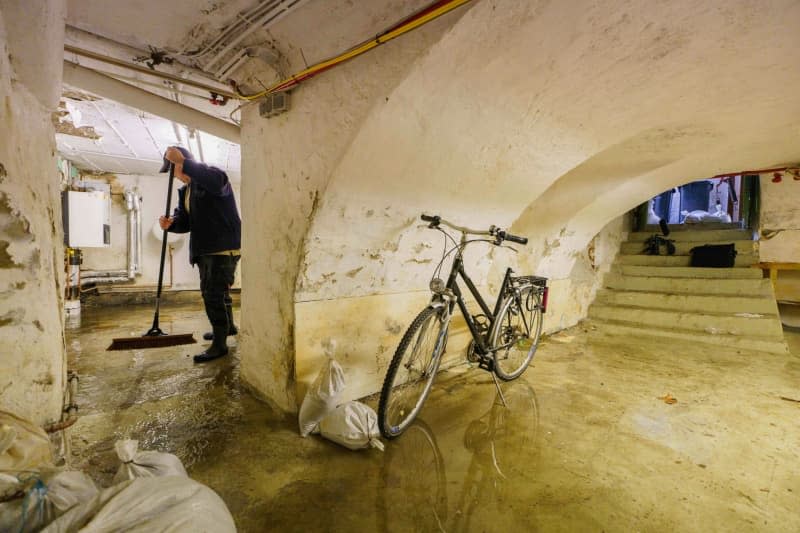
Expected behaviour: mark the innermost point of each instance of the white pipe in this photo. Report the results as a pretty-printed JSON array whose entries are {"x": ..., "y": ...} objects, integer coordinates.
[
  {"x": 272, "y": 16},
  {"x": 85, "y": 274},
  {"x": 242, "y": 20},
  {"x": 118, "y": 91},
  {"x": 137, "y": 206},
  {"x": 119, "y": 279},
  {"x": 80, "y": 38}
]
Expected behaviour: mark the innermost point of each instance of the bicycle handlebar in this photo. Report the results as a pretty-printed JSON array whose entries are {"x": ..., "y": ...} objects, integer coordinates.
[
  {"x": 513, "y": 238},
  {"x": 501, "y": 235}
]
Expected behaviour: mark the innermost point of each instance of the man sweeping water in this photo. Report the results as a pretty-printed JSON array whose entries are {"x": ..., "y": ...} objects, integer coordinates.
[{"x": 207, "y": 211}]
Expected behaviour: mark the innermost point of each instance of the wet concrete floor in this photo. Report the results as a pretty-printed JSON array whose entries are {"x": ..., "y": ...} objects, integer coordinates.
[{"x": 587, "y": 442}]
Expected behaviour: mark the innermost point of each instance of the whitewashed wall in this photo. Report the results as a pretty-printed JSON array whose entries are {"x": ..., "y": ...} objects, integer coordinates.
[
  {"x": 33, "y": 361},
  {"x": 551, "y": 118}
]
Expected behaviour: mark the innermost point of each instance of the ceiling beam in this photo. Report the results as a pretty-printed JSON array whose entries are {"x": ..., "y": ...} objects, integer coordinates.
[{"x": 108, "y": 87}]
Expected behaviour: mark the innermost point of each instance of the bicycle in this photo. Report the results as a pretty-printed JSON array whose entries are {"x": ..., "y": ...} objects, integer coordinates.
[{"x": 504, "y": 340}]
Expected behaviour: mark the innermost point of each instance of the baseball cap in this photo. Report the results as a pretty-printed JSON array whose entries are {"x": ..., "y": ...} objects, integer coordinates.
[{"x": 186, "y": 153}]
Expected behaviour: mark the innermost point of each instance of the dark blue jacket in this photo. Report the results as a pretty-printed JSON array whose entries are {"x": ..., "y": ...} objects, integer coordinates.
[{"x": 212, "y": 221}]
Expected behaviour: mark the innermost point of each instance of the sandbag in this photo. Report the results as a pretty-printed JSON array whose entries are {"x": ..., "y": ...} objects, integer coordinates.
[
  {"x": 323, "y": 395},
  {"x": 46, "y": 496},
  {"x": 153, "y": 505},
  {"x": 713, "y": 255},
  {"x": 23, "y": 445},
  {"x": 354, "y": 425},
  {"x": 145, "y": 463}
]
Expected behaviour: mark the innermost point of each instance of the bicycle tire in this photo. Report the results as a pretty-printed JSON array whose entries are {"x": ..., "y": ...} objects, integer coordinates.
[
  {"x": 397, "y": 410},
  {"x": 514, "y": 352}
]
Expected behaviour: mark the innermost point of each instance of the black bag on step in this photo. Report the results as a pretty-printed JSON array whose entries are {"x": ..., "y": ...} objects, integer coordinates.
[{"x": 714, "y": 255}]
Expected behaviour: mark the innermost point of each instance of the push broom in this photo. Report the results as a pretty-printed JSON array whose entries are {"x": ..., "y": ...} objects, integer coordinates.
[{"x": 155, "y": 338}]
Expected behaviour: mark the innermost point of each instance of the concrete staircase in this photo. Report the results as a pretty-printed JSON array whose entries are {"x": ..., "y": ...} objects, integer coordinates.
[{"x": 661, "y": 295}]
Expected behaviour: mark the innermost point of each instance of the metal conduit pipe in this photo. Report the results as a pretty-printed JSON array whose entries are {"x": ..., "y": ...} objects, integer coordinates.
[
  {"x": 242, "y": 21},
  {"x": 77, "y": 39},
  {"x": 85, "y": 274},
  {"x": 277, "y": 12},
  {"x": 137, "y": 206}
]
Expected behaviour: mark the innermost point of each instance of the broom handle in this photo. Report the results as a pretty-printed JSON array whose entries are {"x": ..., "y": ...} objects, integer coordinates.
[{"x": 164, "y": 245}]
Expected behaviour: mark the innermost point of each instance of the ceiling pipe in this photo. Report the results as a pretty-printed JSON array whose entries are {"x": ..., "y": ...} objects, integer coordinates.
[
  {"x": 108, "y": 87},
  {"x": 280, "y": 10},
  {"x": 78, "y": 40},
  {"x": 146, "y": 71}
]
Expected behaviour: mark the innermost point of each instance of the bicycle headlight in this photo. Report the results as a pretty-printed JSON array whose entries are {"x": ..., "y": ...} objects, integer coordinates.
[{"x": 437, "y": 285}]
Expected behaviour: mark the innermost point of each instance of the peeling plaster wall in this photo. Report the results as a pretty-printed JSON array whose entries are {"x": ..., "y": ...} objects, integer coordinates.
[
  {"x": 551, "y": 118},
  {"x": 287, "y": 162},
  {"x": 33, "y": 361},
  {"x": 780, "y": 210},
  {"x": 153, "y": 191}
]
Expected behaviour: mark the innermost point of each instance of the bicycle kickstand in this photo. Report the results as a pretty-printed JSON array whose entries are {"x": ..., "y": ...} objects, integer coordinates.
[{"x": 500, "y": 392}]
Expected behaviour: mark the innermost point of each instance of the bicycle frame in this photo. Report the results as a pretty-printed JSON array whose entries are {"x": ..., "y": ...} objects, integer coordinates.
[{"x": 452, "y": 286}]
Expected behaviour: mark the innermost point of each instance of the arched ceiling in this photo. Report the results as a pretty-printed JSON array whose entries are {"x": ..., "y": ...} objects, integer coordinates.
[{"x": 554, "y": 117}]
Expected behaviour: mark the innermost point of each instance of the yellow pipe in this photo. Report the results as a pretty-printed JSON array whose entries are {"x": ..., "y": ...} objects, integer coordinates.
[{"x": 362, "y": 48}]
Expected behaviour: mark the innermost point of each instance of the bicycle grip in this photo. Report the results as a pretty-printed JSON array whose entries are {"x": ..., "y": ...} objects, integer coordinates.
[
  {"x": 434, "y": 220},
  {"x": 514, "y": 238}
]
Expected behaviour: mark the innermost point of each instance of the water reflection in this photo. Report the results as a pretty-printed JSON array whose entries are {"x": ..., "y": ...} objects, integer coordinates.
[
  {"x": 503, "y": 443},
  {"x": 414, "y": 492},
  {"x": 485, "y": 471}
]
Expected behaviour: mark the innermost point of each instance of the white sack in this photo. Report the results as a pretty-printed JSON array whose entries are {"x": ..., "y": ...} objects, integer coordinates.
[
  {"x": 47, "y": 496},
  {"x": 353, "y": 425},
  {"x": 323, "y": 395},
  {"x": 152, "y": 505},
  {"x": 145, "y": 464},
  {"x": 694, "y": 217},
  {"x": 23, "y": 445}
]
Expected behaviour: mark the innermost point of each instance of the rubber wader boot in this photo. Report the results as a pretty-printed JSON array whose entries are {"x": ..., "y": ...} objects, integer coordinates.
[
  {"x": 217, "y": 349},
  {"x": 209, "y": 335}
]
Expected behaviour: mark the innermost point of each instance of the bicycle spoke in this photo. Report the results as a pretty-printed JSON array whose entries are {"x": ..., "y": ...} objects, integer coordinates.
[{"x": 411, "y": 372}]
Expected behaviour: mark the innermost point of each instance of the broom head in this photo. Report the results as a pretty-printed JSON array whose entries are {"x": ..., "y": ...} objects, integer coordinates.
[{"x": 151, "y": 341}]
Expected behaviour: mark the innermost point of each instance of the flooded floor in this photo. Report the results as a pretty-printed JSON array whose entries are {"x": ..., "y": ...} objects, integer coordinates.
[{"x": 586, "y": 443}]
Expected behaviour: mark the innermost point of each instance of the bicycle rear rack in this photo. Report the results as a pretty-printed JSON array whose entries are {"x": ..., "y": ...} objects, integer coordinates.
[{"x": 536, "y": 281}]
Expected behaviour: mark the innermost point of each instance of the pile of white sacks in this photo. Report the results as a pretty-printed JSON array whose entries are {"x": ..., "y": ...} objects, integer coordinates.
[
  {"x": 151, "y": 490},
  {"x": 351, "y": 424}
]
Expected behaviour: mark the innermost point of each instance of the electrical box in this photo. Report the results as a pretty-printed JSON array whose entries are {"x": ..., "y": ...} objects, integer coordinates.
[
  {"x": 86, "y": 218},
  {"x": 274, "y": 104}
]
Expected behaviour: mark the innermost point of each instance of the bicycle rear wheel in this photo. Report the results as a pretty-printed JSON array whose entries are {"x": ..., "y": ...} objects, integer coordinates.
[
  {"x": 515, "y": 335},
  {"x": 411, "y": 372}
]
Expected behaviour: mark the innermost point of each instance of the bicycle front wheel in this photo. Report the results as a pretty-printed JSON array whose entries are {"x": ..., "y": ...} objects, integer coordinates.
[
  {"x": 515, "y": 334},
  {"x": 411, "y": 372}
]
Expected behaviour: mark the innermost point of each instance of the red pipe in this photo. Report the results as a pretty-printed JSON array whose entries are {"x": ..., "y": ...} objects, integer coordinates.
[{"x": 748, "y": 172}]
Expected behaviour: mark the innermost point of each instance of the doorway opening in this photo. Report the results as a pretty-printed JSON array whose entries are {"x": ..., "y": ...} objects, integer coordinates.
[{"x": 721, "y": 202}]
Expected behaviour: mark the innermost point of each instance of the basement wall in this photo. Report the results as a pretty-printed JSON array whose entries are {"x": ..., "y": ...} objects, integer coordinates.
[
  {"x": 288, "y": 161},
  {"x": 780, "y": 212},
  {"x": 153, "y": 191},
  {"x": 553, "y": 119},
  {"x": 33, "y": 360}
]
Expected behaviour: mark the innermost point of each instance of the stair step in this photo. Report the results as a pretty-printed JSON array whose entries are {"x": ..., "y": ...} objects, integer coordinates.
[
  {"x": 690, "y": 272},
  {"x": 742, "y": 260},
  {"x": 766, "y": 326},
  {"x": 633, "y": 331},
  {"x": 706, "y": 236},
  {"x": 733, "y": 287},
  {"x": 684, "y": 247},
  {"x": 688, "y": 302}
]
